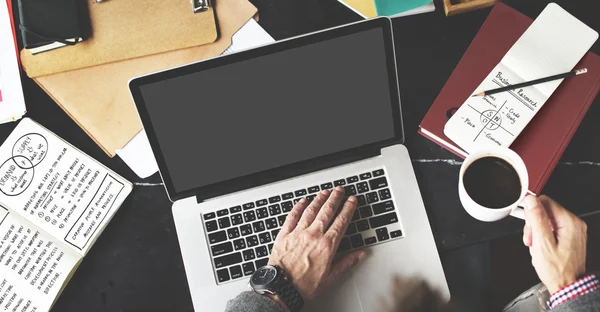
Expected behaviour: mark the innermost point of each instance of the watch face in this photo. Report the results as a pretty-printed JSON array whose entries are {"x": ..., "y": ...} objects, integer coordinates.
[{"x": 264, "y": 275}]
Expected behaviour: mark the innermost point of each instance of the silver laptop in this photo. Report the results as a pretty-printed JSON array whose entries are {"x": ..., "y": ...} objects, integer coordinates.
[{"x": 239, "y": 139}]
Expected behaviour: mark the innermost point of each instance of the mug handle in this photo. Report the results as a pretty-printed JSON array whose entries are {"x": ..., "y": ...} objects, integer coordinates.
[{"x": 518, "y": 212}]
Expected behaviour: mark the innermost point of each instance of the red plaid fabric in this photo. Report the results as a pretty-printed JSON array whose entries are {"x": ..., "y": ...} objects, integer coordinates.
[{"x": 580, "y": 287}]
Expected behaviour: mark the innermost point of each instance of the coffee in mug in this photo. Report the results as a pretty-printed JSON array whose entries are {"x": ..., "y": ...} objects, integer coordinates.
[{"x": 492, "y": 182}]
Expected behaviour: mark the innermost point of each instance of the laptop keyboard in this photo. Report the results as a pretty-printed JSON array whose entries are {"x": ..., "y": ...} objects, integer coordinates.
[{"x": 240, "y": 238}]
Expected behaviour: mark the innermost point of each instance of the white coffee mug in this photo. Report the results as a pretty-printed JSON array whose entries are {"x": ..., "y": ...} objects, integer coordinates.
[{"x": 494, "y": 214}]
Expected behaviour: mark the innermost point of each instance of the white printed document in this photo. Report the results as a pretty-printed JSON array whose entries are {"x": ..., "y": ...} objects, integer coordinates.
[
  {"x": 55, "y": 203},
  {"x": 553, "y": 44}
]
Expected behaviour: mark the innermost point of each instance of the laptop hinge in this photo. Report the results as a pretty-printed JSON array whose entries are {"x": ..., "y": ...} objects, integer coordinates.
[{"x": 313, "y": 166}]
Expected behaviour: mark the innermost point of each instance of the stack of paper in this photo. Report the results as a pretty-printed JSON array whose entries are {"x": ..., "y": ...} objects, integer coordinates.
[{"x": 391, "y": 8}]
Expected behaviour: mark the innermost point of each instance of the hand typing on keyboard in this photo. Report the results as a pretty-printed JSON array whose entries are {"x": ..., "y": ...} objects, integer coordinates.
[{"x": 306, "y": 246}]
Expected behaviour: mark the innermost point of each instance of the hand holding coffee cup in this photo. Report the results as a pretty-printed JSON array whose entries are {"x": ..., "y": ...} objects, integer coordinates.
[{"x": 492, "y": 184}]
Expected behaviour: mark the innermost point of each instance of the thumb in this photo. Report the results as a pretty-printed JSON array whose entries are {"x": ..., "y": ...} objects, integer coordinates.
[
  {"x": 346, "y": 263},
  {"x": 537, "y": 218}
]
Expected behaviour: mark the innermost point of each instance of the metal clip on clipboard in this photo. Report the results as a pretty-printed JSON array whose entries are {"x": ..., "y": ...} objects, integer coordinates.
[{"x": 200, "y": 5}]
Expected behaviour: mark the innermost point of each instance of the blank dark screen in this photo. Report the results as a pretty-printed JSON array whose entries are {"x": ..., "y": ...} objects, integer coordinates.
[{"x": 273, "y": 110}]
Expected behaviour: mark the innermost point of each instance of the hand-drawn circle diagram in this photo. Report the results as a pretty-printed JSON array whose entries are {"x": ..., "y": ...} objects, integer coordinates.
[
  {"x": 491, "y": 119},
  {"x": 16, "y": 174},
  {"x": 32, "y": 146}
]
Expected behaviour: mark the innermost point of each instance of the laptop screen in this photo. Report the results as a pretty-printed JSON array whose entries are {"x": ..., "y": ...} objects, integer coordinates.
[{"x": 282, "y": 107}]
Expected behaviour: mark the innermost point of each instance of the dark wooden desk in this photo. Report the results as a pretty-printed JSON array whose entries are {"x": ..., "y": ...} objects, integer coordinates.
[{"x": 136, "y": 263}]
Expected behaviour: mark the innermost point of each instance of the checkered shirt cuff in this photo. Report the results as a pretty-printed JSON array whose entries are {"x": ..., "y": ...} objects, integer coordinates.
[{"x": 580, "y": 287}]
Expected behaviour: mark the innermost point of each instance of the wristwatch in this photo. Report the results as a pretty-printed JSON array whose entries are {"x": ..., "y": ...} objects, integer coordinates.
[{"x": 272, "y": 280}]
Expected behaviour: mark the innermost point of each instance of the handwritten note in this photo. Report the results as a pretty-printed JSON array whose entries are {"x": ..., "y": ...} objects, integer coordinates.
[
  {"x": 56, "y": 201},
  {"x": 553, "y": 44}
]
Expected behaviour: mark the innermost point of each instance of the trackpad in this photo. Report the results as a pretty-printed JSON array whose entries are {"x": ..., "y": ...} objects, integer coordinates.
[{"x": 343, "y": 296}]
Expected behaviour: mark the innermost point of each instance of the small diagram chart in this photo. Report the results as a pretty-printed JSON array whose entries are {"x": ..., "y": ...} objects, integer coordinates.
[{"x": 491, "y": 119}]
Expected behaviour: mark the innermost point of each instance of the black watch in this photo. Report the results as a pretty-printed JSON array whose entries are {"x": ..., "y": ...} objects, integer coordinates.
[{"x": 272, "y": 280}]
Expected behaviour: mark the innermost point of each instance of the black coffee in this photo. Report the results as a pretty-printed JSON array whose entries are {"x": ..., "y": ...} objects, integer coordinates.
[{"x": 492, "y": 182}]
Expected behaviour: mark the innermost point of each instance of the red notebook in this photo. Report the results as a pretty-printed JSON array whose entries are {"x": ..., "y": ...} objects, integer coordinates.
[{"x": 545, "y": 138}]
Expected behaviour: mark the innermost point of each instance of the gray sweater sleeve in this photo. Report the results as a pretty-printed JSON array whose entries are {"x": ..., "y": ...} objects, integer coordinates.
[
  {"x": 585, "y": 303},
  {"x": 250, "y": 301}
]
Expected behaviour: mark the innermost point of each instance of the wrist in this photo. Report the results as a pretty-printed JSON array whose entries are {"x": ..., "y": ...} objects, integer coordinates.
[
  {"x": 580, "y": 287},
  {"x": 560, "y": 284},
  {"x": 281, "y": 304}
]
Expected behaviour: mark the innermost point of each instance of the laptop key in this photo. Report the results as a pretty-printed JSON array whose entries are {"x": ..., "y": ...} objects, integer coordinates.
[
  {"x": 362, "y": 225},
  {"x": 344, "y": 244},
  {"x": 361, "y": 200},
  {"x": 235, "y": 209},
  {"x": 262, "y": 213},
  {"x": 382, "y": 234},
  {"x": 370, "y": 240},
  {"x": 264, "y": 237},
  {"x": 351, "y": 229},
  {"x": 262, "y": 262},
  {"x": 237, "y": 219},
  {"x": 339, "y": 182},
  {"x": 221, "y": 248},
  {"x": 313, "y": 189},
  {"x": 378, "y": 172},
  {"x": 211, "y": 226},
  {"x": 356, "y": 241},
  {"x": 248, "y": 268},
  {"x": 217, "y": 237},
  {"x": 395, "y": 234},
  {"x": 260, "y": 203},
  {"x": 246, "y": 229},
  {"x": 270, "y": 247},
  {"x": 274, "y": 210},
  {"x": 223, "y": 275},
  {"x": 224, "y": 223},
  {"x": 271, "y": 223},
  {"x": 385, "y": 206},
  {"x": 297, "y": 200},
  {"x": 366, "y": 175},
  {"x": 258, "y": 226},
  {"x": 372, "y": 197},
  {"x": 326, "y": 186},
  {"x": 310, "y": 198},
  {"x": 281, "y": 219},
  {"x": 274, "y": 233},
  {"x": 382, "y": 220},
  {"x": 365, "y": 212},
  {"x": 299, "y": 193},
  {"x": 239, "y": 244},
  {"x": 352, "y": 179},
  {"x": 350, "y": 190},
  {"x": 274, "y": 199},
  {"x": 385, "y": 194},
  {"x": 248, "y": 206},
  {"x": 248, "y": 254},
  {"x": 228, "y": 260},
  {"x": 235, "y": 271},
  {"x": 362, "y": 187},
  {"x": 233, "y": 233},
  {"x": 287, "y": 206},
  {"x": 249, "y": 216},
  {"x": 222, "y": 212},
  {"x": 289, "y": 195},
  {"x": 261, "y": 251},
  {"x": 251, "y": 241},
  {"x": 208, "y": 216},
  {"x": 378, "y": 183}
]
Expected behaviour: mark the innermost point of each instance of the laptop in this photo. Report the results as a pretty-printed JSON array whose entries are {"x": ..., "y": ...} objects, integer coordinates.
[{"x": 239, "y": 139}]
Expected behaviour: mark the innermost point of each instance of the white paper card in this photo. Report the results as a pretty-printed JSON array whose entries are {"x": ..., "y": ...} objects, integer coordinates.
[{"x": 553, "y": 44}]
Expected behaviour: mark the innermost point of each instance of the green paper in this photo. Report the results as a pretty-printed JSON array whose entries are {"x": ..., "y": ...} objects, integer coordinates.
[{"x": 393, "y": 7}]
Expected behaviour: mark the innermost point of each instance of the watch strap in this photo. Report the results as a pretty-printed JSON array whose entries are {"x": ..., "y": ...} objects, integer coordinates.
[{"x": 290, "y": 296}]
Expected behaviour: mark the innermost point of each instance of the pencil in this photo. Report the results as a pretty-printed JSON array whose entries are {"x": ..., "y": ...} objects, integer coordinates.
[{"x": 533, "y": 82}]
